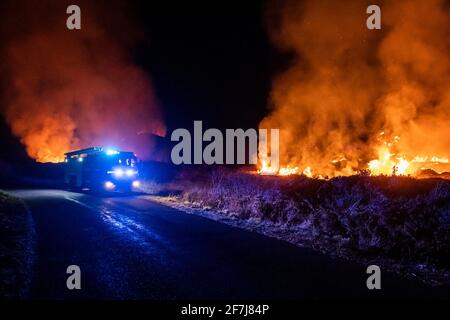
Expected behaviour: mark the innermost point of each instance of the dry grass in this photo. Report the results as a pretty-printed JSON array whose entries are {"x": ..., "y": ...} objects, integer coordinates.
[
  {"x": 16, "y": 247},
  {"x": 399, "y": 218}
]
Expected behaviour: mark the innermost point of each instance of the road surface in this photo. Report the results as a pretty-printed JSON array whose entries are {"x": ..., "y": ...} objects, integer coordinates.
[{"x": 131, "y": 248}]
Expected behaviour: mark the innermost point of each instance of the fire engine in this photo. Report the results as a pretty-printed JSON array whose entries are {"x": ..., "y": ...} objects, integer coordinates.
[{"x": 101, "y": 169}]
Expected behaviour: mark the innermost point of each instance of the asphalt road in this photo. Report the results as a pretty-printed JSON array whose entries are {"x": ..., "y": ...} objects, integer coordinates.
[{"x": 132, "y": 248}]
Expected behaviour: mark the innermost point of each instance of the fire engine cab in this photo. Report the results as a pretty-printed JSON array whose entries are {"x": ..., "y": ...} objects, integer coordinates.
[{"x": 101, "y": 169}]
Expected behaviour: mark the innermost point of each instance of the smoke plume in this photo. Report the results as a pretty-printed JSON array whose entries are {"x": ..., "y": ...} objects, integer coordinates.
[
  {"x": 351, "y": 94},
  {"x": 69, "y": 89}
]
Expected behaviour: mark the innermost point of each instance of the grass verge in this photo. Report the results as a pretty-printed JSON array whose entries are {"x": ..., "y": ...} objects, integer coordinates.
[
  {"x": 16, "y": 247},
  {"x": 398, "y": 222}
]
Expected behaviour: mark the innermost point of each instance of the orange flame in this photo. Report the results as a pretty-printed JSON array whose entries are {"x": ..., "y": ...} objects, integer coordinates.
[
  {"x": 346, "y": 84},
  {"x": 74, "y": 89}
]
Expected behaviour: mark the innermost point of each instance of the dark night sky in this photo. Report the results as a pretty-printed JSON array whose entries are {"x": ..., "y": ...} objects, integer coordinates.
[{"x": 209, "y": 61}]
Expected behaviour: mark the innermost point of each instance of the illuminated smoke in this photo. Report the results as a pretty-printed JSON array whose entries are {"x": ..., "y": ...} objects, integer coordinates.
[
  {"x": 74, "y": 89},
  {"x": 350, "y": 92}
]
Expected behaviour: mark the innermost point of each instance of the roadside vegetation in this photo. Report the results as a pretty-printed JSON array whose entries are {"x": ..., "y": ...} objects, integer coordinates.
[
  {"x": 16, "y": 247},
  {"x": 401, "y": 222}
]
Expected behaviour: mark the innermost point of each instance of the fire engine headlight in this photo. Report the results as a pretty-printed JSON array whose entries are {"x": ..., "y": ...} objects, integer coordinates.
[
  {"x": 136, "y": 184},
  {"x": 109, "y": 185},
  {"x": 130, "y": 172},
  {"x": 118, "y": 172}
]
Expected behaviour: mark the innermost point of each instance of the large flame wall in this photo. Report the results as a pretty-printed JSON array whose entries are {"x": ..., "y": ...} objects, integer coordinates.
[
  {"x": 353, "y": 96},
  {"x": 73, "y": 89}
]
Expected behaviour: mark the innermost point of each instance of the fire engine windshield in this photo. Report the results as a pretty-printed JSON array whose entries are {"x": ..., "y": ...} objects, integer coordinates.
[{"x": 129, "y": 161}]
